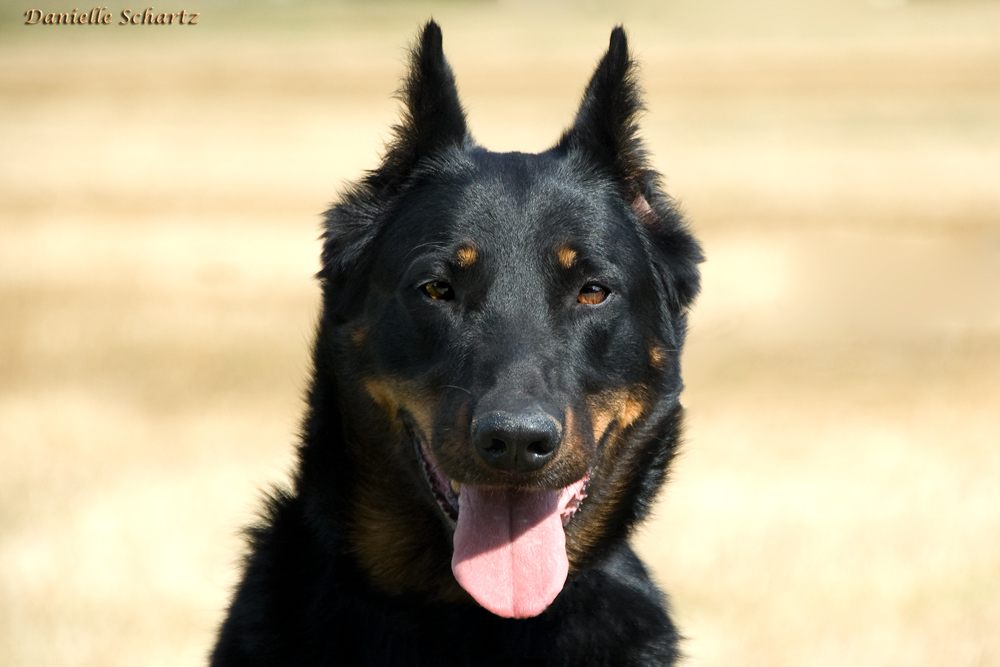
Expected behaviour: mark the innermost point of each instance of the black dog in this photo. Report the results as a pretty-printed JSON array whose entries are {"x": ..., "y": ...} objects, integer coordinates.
[{"x": 493, "y": 407}]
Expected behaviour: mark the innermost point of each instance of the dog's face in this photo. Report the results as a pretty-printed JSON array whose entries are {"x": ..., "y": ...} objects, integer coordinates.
[
  {"x": 519, "y": 319},
  {"x": 508, "y": 328}
]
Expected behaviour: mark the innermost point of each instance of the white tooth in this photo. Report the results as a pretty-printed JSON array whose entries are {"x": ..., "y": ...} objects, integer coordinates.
[{"x": 456, "y": 487}]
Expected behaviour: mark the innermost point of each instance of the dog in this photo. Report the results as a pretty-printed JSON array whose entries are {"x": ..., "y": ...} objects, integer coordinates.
[{"x": 493, "y": 407}]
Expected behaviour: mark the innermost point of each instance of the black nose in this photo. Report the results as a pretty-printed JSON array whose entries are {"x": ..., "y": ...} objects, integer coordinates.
[{"x": 521, "y": 442}]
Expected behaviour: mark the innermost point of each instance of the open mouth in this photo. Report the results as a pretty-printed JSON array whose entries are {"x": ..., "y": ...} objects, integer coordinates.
[
  {"x": 509, "y": 544},
  {"x": 447, "y": 492}
]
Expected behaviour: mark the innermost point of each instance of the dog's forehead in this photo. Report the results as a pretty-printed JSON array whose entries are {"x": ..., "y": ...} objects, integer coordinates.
[{"x": 499, "y": 201}]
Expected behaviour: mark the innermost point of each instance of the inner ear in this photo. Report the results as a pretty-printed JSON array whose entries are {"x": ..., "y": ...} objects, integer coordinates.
[{"x": 642, "y": 210}]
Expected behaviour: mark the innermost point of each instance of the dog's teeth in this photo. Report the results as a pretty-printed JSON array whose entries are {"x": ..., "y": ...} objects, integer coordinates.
[{"x": 456, "y": 487}]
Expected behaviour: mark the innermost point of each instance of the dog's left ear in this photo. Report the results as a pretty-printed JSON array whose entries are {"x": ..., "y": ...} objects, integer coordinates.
[{"x": 606, "y": 133}]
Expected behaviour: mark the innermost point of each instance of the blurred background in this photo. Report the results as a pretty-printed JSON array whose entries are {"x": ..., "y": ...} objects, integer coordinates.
[{"x": 838, "y": 498}]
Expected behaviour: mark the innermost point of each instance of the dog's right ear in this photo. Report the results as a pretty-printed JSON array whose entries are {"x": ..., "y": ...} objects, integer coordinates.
[{"x": 432, "y": 114}]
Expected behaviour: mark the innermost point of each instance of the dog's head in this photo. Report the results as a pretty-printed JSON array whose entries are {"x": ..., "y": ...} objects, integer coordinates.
[{"x": 504, "y": 332}]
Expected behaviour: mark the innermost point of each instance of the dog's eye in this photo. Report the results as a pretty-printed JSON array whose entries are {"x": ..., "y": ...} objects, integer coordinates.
[
  {"x": 592, "y": 294},
  {"x": 438, "y": 290}
]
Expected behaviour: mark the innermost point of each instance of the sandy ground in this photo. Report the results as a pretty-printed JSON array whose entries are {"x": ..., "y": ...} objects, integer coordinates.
[{"x": 837, "y": 502}]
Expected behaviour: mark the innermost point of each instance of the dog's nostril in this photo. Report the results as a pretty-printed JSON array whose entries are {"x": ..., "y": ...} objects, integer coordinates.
[
  {"x": 539, "y": 447},
  {"x": 497, "y": 446}
]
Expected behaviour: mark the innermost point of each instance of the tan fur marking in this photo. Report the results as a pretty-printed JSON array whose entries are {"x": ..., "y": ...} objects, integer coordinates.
[
  {"x": 566, "y": 256},
  {"x": 358, "y": 335},
  {"x": 657, "y": 355},
  {"x": 390, "y": 539},
  {"x": 381, "y": 395},
  {"x": 466, "y": 256},
  {"x": 389, "y": 532},
  {"x": 623, "y": 406},
  {"x": 629, "y": 411},
  {"x": 571, "y": 440},
  {"x": 391, "y": 395},
  {"x": 617, "y": 469},
  {"x": 600, "y": 419}
]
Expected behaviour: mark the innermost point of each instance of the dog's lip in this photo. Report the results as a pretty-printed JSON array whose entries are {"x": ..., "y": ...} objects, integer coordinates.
[
  {"x": 444, "y": 488},
  {"x": 447, "y": 492}
]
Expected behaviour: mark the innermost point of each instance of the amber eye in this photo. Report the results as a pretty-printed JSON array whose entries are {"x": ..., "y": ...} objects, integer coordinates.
[
  {"x": 438, "y": 290},
  {"x": 592, "y": 294}
]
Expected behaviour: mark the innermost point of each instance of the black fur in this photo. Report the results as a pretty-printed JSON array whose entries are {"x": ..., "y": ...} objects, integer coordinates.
[{"x": 568, "y": 306}]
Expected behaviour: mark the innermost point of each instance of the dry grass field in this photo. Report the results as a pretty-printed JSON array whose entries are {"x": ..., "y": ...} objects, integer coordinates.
[{"x": 838, "y": 498}]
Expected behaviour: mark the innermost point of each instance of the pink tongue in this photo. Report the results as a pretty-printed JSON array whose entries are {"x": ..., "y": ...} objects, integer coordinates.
[{"x": 510, "y": 549}]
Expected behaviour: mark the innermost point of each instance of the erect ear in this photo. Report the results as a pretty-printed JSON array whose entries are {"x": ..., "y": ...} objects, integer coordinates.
[
  {"x": 432, "y": 120},
  {"x": 432, "y": 117},
  {"x": 605, "y": 128},
  {"x": 605, "y": 133}
]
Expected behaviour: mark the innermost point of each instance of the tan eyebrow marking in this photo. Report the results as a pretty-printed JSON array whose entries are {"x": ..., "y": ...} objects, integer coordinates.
[
  {"x": 466, "y": 255},
  {"x": 566, "y": 256}
]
